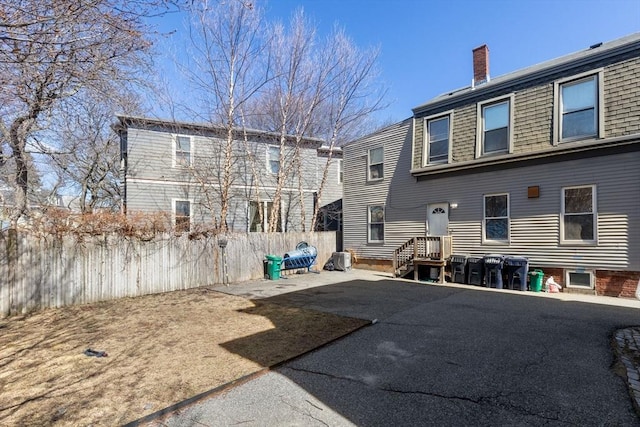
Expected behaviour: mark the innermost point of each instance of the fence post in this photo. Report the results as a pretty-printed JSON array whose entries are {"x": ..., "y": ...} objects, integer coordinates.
[{"x": 12, "y": 264}]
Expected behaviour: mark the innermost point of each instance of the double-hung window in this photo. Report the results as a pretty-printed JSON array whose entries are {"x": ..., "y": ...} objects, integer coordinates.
[
  {"x": 259, "y": 216},
  {"x": 495, "y": 123},
  {"x": 182, "y": 215},
  {"x": 182, "y": 151},
  {"x": 375, "y": 161},
  {"x": 438, "y": 136},
  {"x": 273, "y": 159},
  {"x": 340, "y": 171},
  {"x": 496, "y": 218},
  {"x": 579, "y": 217},
  {"x": 578, "y": 107},
  {"x": 375, "y": 224}
]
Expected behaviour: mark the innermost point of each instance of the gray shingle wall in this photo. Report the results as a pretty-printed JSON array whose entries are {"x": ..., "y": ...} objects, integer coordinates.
[
  {"x": 418, "y": 143},
  {"x": 533, "y": 110},
  {"x": 621, "y": 95},
  {"x": 464, "y": 133}
]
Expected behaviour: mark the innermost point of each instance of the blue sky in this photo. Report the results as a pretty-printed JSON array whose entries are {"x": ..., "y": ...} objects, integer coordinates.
[{"x": 426, "y": 44}]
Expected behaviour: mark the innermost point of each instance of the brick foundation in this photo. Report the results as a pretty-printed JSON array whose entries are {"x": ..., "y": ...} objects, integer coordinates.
[
  {"x": 608, "y": 283},
  {"x": 617, "y": 283}
]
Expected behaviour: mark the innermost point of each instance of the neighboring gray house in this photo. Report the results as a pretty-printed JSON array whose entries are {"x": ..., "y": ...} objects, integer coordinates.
[
  {"x": 175, "y": 168},
  {"x": 542, "y": 163}
]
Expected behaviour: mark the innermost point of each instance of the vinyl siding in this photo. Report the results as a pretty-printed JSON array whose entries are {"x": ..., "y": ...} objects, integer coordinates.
[
  {"x": 360, "y": 193},
  {"x": 152, "y": 181},
  {"x": 332, "y": 190},
  {"x": 534, "y": 223}
]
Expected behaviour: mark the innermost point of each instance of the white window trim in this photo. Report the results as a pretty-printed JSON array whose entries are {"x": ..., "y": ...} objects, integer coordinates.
[
  {"x": 384, "y": 222},
  {"x": 557, "y": 110},
  {"x": 340, "y": 171},
  {"x": 484, "y": 220},
  {"x": 369, "y": 164},
  {"x": 268, "y": 157},
  {"x": 480, "y": 124},
  {"x": 594, "y": 203},
  {"x": 425, "y": 137},
  {"x": 174, "y": 146},
  {"x": 265, "y": 217},
  {"x": 592, "y": 274},
  {"x": 173, "y": 210}
]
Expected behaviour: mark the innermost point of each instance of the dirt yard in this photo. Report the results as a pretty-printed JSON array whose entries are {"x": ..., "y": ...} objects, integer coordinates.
[{"x": 161, "y": 350}]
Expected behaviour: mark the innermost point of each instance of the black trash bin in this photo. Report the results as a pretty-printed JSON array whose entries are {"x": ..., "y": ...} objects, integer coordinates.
[
  {"x": 475, "y": 271},
  {"x": 516, "y": 269},
  {"x": 493, "y": 265},
  {"x": 458, "y": 268}
]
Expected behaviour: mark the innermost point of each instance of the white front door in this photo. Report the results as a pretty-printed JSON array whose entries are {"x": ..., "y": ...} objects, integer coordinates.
[{"x": 438, "y": 219}]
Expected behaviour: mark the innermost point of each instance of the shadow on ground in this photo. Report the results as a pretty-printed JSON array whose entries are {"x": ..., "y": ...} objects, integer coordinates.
[
  {"x": 459, "y": 355},
  {"x": 286, "y": 338}
]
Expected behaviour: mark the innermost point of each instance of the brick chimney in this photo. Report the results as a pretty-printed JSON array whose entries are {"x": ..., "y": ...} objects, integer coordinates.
[{"x": 480, "y": 65}]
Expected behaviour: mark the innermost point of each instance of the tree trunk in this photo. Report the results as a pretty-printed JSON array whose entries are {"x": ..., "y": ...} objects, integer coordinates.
[{"x": 21, "y": 185}]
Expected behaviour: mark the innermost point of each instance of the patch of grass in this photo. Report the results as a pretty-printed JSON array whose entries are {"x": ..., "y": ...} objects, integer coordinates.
[{"x": 162, "y": 349}]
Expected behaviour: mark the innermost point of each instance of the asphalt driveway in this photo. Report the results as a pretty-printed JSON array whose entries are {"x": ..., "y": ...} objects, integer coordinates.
[{"x": 441, "y": 355}]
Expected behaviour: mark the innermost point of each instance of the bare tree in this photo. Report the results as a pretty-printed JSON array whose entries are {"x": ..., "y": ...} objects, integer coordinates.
[
  {"x": 292, "y": 53},
  {"x": 228, "y": 70},
  {"x": 86, "y": 156},
  {"x": 279, "y": 79},
  {"x": 327, "y": 89},
  {"x": 49, "y": 51},
  {"x": 354, "y": 94}
]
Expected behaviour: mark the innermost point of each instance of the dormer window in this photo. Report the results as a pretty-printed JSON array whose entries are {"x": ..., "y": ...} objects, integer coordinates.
[
  {"x": 578, "y": 107},
  {"x": 437, "y": 141},
  {"x": 495, "y": 118}
]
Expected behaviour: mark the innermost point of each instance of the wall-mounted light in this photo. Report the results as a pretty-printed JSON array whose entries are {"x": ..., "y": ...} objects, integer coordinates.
[{"x": 453, "y": 205}]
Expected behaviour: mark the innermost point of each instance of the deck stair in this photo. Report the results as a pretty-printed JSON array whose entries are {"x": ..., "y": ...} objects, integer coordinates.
[{"x": 433, "y": 251}]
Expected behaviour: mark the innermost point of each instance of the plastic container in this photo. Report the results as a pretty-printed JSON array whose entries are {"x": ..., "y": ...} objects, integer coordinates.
[
  {"x": 535, "y": 280},
  {"x": 274, "y": 265},
  {"x": 458, "y": 268},
  {"x": 493, "y": 270},
  {"x": 516, "y": 269},
  {"x": 475, "y": 271},
  {"x": 304, "y": 256}
]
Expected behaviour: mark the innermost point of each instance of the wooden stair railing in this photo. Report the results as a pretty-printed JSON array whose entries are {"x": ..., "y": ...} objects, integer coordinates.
[{"x": 436, "y": 248}]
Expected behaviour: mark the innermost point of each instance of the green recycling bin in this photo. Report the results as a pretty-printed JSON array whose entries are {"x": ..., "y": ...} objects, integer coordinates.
[
  {"x": 274, "y": 265},
  {"x": 535, "y": 280}
]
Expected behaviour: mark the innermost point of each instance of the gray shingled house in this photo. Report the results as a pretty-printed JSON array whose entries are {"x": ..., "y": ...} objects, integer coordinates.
[
  {"x": 175, "y": 168},
  {"x": 542, "y": 163}
]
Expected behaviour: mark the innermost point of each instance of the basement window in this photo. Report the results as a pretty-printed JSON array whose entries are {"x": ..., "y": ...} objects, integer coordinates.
[{"x": 580, "y": 279}]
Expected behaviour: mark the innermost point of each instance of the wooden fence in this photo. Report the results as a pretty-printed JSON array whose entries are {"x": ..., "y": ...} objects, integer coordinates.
[{"x": 41, "y": 272}]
